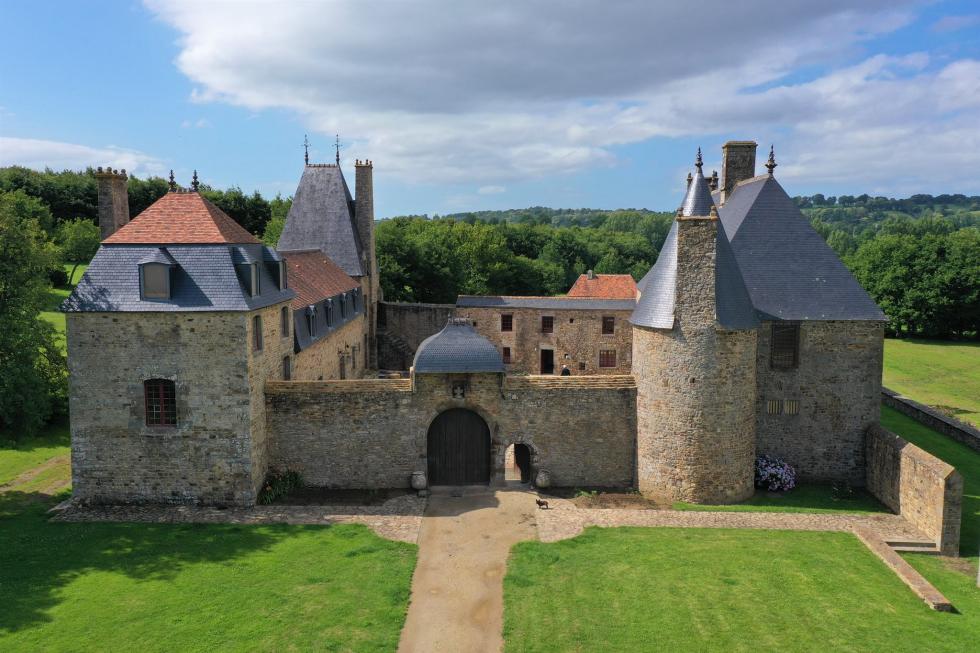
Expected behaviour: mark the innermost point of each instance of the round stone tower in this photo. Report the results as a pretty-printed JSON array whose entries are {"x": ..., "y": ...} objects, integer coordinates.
[{"x": 694, "y": 361}]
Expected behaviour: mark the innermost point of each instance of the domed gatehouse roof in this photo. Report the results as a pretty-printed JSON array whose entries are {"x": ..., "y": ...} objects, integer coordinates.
[{"x": 458, "y": 348}]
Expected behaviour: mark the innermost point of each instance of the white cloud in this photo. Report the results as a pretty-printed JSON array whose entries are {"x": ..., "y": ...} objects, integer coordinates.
[
  {"x": 490, "y": 190},
  {"x": 464, "y": 93},
  {"x": 200, "y": 123},
  {"x": 40, "y": 154}
]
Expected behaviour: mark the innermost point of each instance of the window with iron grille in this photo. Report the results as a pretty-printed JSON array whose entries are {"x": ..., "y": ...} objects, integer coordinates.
[
  {"x": 284, "y": 321},
  {"x": 287, "y": 369},
  {"x": 775, "y": 407},
  {"x": 257, "y": 333},
  {"x": 507, "y": 322},
  {"x": 785, "y": 345},
  {"x": 506, "y": 354},
  {"x": 608, "y": 325},
  {"x": 547, "y": 324},
  {"x": 607, "y": 358},
  {"x": 792, "y": 406},
  {"x": 160, "y": 400}
]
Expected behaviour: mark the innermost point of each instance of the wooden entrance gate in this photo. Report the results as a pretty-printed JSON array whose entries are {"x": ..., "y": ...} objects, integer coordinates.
[{"x": 459, "y": 449}]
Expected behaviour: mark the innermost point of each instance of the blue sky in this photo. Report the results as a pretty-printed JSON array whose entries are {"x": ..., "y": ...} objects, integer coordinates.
[{"x": 571, "y": 104}]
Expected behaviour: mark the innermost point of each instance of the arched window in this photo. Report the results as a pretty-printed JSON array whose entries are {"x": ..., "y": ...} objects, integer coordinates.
[{"x": 160, "y": 396}]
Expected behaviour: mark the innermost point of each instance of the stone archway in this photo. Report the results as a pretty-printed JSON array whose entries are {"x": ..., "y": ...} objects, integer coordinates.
[{"x": 458, "y": 449}]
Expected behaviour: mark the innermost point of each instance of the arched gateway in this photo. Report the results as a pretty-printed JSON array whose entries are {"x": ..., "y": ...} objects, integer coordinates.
[{"x": 458, "y": 449}]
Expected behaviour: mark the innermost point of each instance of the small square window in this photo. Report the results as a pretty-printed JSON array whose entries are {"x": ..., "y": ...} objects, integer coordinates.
[
  {"x": 785, "y": 352},
  {"x": 792, "y": 406},
  {"x": 507, "y": 322},
  {"x": 775, "y": 407},
  {"x": 547, "y": 324},
  {"x": 581, "y": 365},
  {"x": 506, "y": 355},
  {"x": 608, "y": 325},
  {"x": 257, "y": 333},
  {"x": 607, "y": 358}
]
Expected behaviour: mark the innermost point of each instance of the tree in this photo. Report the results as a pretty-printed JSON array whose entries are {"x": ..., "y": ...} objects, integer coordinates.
[
  {"x": 33, "y": 374},
  {"x": 79, "y": 241}
]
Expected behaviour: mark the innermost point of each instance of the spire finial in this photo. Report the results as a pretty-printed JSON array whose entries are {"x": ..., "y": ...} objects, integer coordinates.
[
  {"x": 173, "y": 183},
  {"x": 306, "y": 150},
  {"x": 337, "y": 146},
  {"x": 194, "y": 182},
  {"x": 771, "y": 163},
  {"x": 698, "y": 162}
]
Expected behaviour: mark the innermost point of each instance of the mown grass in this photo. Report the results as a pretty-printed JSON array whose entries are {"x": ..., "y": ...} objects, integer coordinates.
[
  {"x": 172, "y": 587},
  {"x": 803, "y": 498},
  {"x": 52, "y": 313},
  {"x": 635, "y": 589},
  {"x": 939, "y": 373},
  {"x": 20, "y": 455}
]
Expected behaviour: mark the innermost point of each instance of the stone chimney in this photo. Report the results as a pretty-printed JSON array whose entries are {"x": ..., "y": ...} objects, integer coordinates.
[
  {"x": 113, "y": 200},
  {"x": 364, "y": 219},
  {"x": 737, "y": 164}
]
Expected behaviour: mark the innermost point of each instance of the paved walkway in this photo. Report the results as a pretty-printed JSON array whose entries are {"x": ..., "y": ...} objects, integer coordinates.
[{"x": 457, "y": 590}]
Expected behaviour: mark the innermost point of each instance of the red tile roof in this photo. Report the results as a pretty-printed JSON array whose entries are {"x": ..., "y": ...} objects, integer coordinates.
[
  {"x": 181, "y": 219},
  {"x": 605, "y": 286},
  {"x": 314, "y": 277}
]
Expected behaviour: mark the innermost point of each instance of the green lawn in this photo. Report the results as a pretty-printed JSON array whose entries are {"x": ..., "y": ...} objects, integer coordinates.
[
  {"x": 51, "y": 312},
  {"x": 16, "y": 457},
  {"x": 166, "y": 587},
  {"x": 667, "y": 589},
  {"x": 804, "y": 498},
  {"x": 938, "y": 373}
]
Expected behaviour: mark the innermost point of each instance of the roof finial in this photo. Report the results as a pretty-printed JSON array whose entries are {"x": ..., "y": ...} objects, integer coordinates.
[
  {"x": 173, "y": 182},
  {"x": 698, "y": 162},
  {"x": 194, "y": 182},
  {"x": 337, "y": 145},
  {"x": 771, "y": 163},
  {"x": 306, "y": 150}
]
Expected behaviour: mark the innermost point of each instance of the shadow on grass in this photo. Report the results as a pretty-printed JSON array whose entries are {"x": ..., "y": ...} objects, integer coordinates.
[
  {"x": 56, "y": 434},
  {"x": 803, "y": 498},
  {"x": 39, "y": 557}
]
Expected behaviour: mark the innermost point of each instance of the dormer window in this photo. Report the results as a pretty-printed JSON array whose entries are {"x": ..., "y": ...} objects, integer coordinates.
[
  {"x": 311, "y": 319},
  {"x": 155, "y": 280},
  {"x": 256, "y": 280},
  {"x": 282, "y": 275},
  {"x": 343, "y": 306},
  {"x": 329, "y": 305}
]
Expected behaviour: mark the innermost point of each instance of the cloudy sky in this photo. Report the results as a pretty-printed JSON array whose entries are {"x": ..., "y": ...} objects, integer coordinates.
[{"x": 473, "y": 105}]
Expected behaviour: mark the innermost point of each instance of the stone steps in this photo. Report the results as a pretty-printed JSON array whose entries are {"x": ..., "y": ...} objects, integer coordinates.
[{"x": 907, "y": 545}]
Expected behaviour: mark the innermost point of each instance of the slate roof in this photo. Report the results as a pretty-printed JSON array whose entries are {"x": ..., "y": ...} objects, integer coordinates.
[
  {"x": 698, "y": 200},
  {"x": 182, "y": 218},
  {"x": 789, "y": 271},
  {"x": 322, "y": 217},
  {"x": 204, "y": 278},
  {"x": 547, "y": 303},
  {"x": 314, "y": 277},
  {"x": 604, "y": 286},
  {"x": 458, "y": 348}
]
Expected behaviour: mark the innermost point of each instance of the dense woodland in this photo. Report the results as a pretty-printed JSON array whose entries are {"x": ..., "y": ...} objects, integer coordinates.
[{"x": 918, "y": 257}]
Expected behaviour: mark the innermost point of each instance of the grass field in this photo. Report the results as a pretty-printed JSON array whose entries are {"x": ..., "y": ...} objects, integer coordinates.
[
  {"x": 633, "y": 589},
  {"x": 938, "y": 373},
  {"x": 51, "y": 312},
  {"x": 168, "y": 587},
  {"x": 804, "y": 498},
  {"x": 17, "y": 457}
]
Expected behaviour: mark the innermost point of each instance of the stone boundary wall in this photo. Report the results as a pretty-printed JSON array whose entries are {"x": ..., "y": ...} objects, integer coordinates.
[
  {"x": 948, "y": 426},
  {"x": 918, "y": 486},
  {"x": 413, "y": 323}
]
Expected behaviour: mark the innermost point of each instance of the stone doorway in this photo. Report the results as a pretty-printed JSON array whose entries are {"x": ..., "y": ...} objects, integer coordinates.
[
  {"x": 458, "y": 449},
  {"x": 517, "y": 463},
  {"x": 547, "y": 361}
]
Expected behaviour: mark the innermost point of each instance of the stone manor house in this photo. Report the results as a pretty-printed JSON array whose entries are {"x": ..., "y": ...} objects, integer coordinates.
[{"x": 201, "y": 359}]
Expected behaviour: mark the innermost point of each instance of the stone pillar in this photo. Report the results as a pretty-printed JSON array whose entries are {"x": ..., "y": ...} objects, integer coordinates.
[
  {"x": 695, "y": 387},
  {"x": 113, "y": 200},
  {"x": 737, "y": 164},
  {"x": 364, "y": 219}
]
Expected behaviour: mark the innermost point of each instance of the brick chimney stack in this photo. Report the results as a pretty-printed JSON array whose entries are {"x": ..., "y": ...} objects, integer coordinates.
[
  {"x": 737, "y": 164},
  {"x": 364, "y": 218},
  {"x": 113, "y": 200}
]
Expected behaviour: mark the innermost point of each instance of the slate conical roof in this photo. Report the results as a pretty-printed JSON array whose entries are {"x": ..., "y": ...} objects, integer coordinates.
[
  {"x": 457, "y": 348},
  {"x": 733, "y": 307},
  {"x": 322, "y": 217}
]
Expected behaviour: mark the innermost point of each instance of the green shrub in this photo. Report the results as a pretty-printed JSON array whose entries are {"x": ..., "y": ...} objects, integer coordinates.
[{"x": 279, "y": 483}]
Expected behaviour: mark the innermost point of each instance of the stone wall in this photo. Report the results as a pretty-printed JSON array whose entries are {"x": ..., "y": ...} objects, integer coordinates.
[
  {"x": 576, "y": 341},
  {"x": 402, "y": 327},
  {"x": 937, "y": 421},
  {"x": 838, "y": 386},
  {"x": 116, "y": 457},
  {"x": 917, "y": 485},
  {"x": 341, "y": 349},
  {"x": 369, "y": 434}
]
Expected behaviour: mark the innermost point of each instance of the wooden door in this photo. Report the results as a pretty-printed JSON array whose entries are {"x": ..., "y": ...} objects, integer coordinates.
[
  {"x": 547, "y": 361},
  {"x": 459, "y": 449}
]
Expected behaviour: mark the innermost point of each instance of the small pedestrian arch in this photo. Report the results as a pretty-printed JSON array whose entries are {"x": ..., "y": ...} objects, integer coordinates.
[{"x": 458, "y": 449}]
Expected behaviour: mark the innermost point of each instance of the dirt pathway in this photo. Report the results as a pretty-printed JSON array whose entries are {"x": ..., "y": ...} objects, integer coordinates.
[
  {"x": 457, "y": 589},
  {"x": 52, "y": 487}
]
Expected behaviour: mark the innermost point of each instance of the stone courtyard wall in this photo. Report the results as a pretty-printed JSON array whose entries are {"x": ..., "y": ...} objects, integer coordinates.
[
  {"x": 838, "y": 386},
  {"x": 322, "y": 359},
  {"x": 412, "y": 323},
  {"x": 373, "y": 434},
  {"x": 915, "y": 484}
]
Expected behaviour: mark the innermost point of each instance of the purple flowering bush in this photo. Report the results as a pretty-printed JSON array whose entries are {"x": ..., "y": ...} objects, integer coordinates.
[{"x": 773, "y": 474}]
